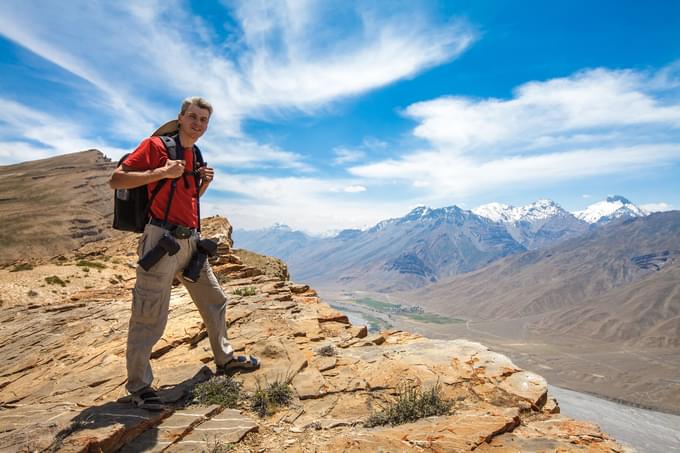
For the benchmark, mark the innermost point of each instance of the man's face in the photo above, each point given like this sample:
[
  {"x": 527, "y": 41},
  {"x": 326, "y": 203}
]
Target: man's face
[{"x": 194, "y": 121}]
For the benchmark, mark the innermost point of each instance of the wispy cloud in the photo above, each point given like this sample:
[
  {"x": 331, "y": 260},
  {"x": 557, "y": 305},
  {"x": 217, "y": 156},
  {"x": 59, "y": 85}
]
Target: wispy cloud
[
  {"x": 306, "y": 203},
  {"x": 656, "y": 207},
  {"x": 29, "y": 134},
  {"x": 580, "y": 107},
  {"x": 134, "y": 54},
  {"x": 345, "y": 155},
  {"x": 595, "y": 122}
]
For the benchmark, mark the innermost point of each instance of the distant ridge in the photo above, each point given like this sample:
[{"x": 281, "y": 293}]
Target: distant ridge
[
  {"x": 54, "y": 205},
  {"x": 585, "y": 280}
]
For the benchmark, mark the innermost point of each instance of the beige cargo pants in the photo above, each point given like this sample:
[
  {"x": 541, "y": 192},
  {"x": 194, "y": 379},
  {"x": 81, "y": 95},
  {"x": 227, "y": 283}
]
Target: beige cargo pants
[{"x": 151, "y": 301}]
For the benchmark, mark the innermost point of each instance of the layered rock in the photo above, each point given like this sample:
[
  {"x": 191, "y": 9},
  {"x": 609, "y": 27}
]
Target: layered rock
[{"x": 62, "y": 371}]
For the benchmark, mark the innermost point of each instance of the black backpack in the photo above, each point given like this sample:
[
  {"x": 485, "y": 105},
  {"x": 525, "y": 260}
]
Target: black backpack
[{"x": 131, "y": 206}]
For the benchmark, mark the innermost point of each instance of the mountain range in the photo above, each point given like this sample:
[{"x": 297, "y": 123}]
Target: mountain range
[{"x": 428, "y": 244}]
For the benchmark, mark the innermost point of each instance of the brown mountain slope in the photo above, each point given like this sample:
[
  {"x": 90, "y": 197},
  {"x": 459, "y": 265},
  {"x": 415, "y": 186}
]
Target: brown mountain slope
[
  {"x": 646, "y": 313},
  {"x": 598, "y": 266},
  {"x": 54, "y": 205}
]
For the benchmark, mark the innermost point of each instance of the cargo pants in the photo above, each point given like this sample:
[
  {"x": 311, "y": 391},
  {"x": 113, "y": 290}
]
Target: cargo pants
[{"x": 151, "y": 301}]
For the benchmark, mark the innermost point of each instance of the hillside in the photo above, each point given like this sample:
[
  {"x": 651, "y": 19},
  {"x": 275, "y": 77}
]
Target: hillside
[
  {"x": 54, "y": 205},
  {"x": 570, "y": 274},
  {"x": 63, "y": 370}
]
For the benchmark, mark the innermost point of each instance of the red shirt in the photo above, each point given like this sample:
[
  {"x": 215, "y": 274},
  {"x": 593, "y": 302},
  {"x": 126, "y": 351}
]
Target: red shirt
[{"x": 150, "y": 154}]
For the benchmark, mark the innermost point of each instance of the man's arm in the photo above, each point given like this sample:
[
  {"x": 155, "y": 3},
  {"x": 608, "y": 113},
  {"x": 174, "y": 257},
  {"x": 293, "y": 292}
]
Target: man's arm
[{"x": 125, "y": 177}]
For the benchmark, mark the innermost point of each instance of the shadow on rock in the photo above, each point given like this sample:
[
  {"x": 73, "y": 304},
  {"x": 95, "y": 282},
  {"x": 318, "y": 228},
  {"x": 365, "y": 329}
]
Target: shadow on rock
[{"x": 118, "y": 424}]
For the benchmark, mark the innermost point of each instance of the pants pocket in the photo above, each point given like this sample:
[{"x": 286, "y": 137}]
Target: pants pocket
[{"x": 146, "y": 305}]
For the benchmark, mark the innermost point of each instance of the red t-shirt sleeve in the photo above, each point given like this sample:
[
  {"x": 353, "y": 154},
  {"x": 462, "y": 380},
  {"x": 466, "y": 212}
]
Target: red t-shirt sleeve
[{"x": 148, "y": 155}]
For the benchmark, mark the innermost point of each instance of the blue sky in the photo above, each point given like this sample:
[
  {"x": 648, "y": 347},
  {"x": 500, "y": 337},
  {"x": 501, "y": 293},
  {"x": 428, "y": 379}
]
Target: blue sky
[{"x": 332, "y": 115}]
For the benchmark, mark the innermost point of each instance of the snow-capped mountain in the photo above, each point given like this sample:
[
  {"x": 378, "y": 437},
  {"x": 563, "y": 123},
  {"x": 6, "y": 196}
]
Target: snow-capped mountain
[
  {"x": 614, "y": 207},
  {"x": 539, "y": 210},
  {"x": 536, "y": 225}
]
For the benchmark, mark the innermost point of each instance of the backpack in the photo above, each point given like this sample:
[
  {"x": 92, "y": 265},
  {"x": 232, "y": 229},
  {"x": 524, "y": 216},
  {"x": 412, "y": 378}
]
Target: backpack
[{"x": 131, "y": 206}]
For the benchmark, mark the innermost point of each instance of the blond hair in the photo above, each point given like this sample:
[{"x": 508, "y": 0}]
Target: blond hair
[{"x": 197, "y": 101}]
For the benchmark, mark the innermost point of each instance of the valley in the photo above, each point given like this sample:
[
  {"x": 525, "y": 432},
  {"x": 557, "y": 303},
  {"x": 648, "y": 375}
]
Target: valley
[{"x": 636, "y": 376}]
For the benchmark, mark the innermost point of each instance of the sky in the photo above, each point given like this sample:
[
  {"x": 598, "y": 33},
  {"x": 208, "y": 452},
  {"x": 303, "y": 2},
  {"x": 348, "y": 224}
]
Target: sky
[{"x": 339, "y": 114}]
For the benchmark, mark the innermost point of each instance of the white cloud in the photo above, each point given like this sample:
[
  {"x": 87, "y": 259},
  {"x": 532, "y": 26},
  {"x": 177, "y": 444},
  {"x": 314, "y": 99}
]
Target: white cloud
[
  {"x": 137, "y": 56},
  {"x": 310, "y": 204},
  {"x": 597, "y": 122},
  {"x": 565, "y": 108},
  {"x": 656, "y": 207},
  {"x": 354, "y": 189},
  {"x": 346, "y": 155},
  {"x": 246, "y": 153},
  {"x": 28, "y": 134},
  {"x": 443, "y": 175}
]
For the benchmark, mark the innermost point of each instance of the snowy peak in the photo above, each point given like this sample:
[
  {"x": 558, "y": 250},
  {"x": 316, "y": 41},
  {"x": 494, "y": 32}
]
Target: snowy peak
[
  {"x": 539, "y": 210},
  {"x": 614, "y": 207},
  {"x": 498, "y": 212},
  {"x": 422, "y": 214}
]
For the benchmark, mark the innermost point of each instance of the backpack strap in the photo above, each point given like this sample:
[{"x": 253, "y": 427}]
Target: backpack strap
[
  {"x": 170, "y": 144},
  {"x": 198, "y": 163}
]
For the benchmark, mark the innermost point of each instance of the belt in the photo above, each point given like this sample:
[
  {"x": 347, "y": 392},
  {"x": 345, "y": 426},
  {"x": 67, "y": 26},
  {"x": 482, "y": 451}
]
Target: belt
[{"x": 177, "y": 231}]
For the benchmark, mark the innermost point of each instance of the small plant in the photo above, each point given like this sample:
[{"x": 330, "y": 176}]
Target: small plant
[
  {"x": 247, "y": 291},
  {"x": 77, "y": 424},
  {"x": 22, "y": 267},
  {"x": 94, "y": 264},
  {"x": 410, "y": 405},
  {"x": 32, "y": 293},
  {"x": 217, "y": 446},
  {"x": 327, "y": 351},
  {"x": 265, "y": 401},
  {"x": 222, "y": 390},
  {"x": 54, "y": 280}
]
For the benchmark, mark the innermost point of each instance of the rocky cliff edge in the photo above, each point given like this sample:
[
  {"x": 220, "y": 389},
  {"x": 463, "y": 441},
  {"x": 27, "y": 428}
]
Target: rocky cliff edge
[{"x": 62, "y": 370}]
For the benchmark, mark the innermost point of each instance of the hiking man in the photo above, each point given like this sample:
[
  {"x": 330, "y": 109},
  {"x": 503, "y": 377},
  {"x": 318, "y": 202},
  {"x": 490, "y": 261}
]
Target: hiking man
[{"x": 174, "y": 218}]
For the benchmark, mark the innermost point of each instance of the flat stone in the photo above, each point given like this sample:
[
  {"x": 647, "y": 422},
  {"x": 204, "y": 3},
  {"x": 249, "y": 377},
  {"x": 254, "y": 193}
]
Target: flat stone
[
  {"x": 325, "y": 363},
  {"x": 170, "y": 430},
  {"x": 309, "y": 383},
  {"x": 452, "y": 433},
  {"x": 227, "y": 427}
]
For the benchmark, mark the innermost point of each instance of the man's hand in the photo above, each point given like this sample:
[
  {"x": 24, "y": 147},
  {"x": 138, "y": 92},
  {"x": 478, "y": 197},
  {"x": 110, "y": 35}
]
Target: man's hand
[
  {"x": 174, "y": 168},
  {"x": 207, "y": 174}
]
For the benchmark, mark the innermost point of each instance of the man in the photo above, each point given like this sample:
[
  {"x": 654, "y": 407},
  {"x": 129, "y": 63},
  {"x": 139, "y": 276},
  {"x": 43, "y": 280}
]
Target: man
[{"x": 174, "y": 211}]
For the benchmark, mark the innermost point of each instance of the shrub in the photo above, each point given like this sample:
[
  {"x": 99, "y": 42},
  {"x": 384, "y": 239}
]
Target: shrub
[
  {"x": 222, "y": 390},
  {"x": 217, "y": 446},
  {"x": 247, "y": 291},
  {"x": 327, "y": 351},
  {"x": 22, "y": 267},
  {"x": 411, "y": 404},
  {"x": 265, "y": 401},
  {"x": 95, "y": 264},
  {"x": 54, "y": 280}
]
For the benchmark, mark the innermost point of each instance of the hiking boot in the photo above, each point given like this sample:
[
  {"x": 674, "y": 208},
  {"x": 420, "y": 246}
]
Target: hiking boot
[
  {"x": 239, "y": 363},
  {"x": 147, "y": 399}
]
